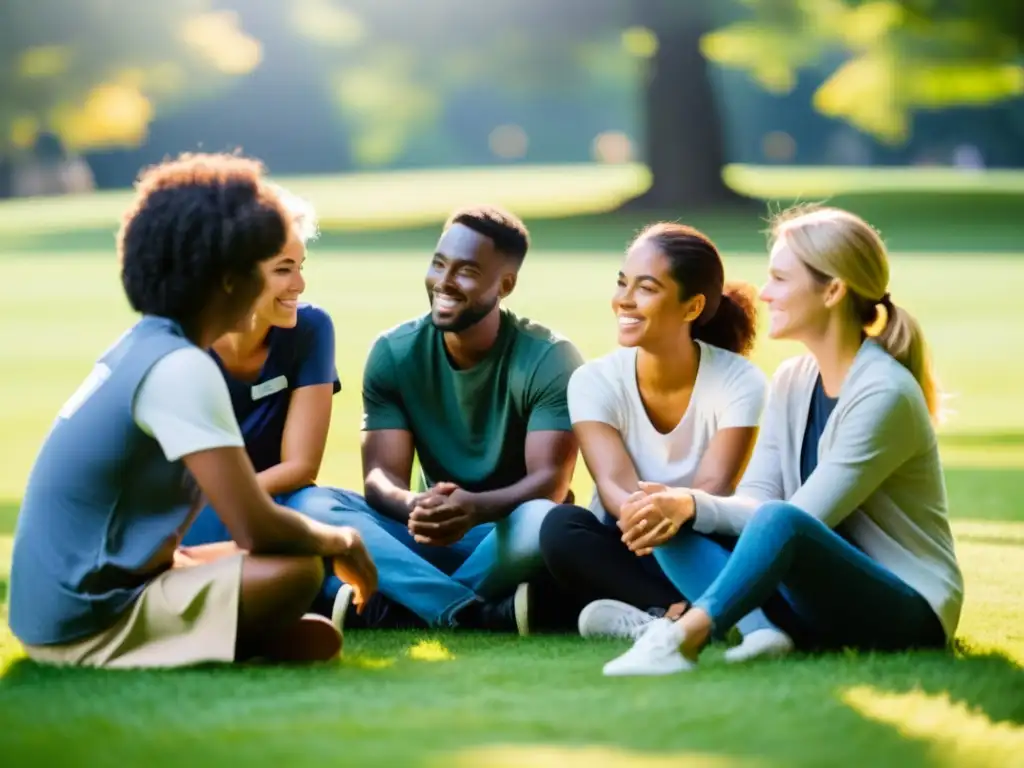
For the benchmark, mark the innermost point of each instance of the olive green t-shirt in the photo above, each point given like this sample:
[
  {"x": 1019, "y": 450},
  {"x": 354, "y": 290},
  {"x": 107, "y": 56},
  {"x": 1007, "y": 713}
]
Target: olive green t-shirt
[{"x": 469, "y": 426}]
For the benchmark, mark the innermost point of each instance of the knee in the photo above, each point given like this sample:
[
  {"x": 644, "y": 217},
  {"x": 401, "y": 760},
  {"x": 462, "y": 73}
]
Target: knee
[
  {"x": 778, "y": 515},
  {"x": 556, "y": 530},
  {"x": 304, "y": 576},
  {"x": 328, "y": 505},
  {"x": 531, "y": 515},
  {"x": 317, "y": 503}
]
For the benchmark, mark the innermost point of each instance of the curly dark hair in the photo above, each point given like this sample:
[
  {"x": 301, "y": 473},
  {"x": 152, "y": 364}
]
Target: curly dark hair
[
  {"x": 508, "y": 232},
  {"x": 197, "y": 220},
  {"x": 729, "y": 318}
]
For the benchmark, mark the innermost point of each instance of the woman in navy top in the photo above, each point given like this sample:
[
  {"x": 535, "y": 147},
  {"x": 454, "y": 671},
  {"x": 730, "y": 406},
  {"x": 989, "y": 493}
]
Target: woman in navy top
[{"x": 281, "y": 376}]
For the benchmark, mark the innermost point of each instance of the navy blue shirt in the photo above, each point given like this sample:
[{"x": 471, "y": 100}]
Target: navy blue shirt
[
  {"x": 821, "y": 408},
  {"x": 297, "y": 357}
]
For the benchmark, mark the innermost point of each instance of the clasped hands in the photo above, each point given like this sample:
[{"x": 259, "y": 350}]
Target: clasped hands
[
  {"x": 653, "y": 515},
  {"x": 442, "y": 514}
]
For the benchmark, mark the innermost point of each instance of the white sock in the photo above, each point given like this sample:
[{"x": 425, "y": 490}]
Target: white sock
[{"x": 762, "y": 643}]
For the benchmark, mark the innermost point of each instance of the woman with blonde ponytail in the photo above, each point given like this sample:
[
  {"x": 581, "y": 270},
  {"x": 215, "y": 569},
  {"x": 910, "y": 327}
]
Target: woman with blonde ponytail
[{"x": 840, "y": 527}]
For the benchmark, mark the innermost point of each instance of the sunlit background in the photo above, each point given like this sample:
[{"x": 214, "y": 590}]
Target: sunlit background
[{"x": 589, "y": 118}]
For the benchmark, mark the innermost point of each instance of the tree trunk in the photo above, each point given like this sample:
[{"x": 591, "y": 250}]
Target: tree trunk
[{"x": 685, "y": 138}]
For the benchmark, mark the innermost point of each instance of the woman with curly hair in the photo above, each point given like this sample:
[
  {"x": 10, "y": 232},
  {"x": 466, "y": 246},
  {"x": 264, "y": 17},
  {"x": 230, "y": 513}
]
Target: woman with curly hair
[
  {"x": 97, "y": 575},
  {"x": 677, "y": 404}
]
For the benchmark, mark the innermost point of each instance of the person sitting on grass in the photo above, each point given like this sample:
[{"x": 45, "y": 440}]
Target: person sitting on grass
[
  {"x": 281, "y": 375},
  {"x": 97, "y": 574},
  {"x": 479, "y": 395},
  {"x": 841, "y": 517},
  {"x": 678, "y": 403}
]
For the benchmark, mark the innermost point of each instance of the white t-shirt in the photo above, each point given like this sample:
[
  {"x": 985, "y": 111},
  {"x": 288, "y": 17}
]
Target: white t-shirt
[
  {"x": 729, "y": 391},
  {"x": 184, "y": 404}
]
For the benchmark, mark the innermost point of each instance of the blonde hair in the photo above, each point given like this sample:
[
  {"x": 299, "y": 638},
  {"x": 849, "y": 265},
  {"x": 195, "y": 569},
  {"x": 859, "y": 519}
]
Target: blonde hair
[{"x": 833, "y": 243}]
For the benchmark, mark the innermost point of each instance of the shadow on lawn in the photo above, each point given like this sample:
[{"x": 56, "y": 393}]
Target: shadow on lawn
[{"x": 503, "y": 701}]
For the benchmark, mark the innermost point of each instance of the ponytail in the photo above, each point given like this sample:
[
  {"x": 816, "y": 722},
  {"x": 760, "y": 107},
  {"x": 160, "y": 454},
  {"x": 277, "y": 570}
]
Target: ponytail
[
  {"x": 733, "y": 326},
  {"x": 902, "y": 337}
]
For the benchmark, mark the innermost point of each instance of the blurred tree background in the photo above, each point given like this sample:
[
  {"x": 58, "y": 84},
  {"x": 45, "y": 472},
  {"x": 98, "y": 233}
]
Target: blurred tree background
[{"x": 686, "y": 86}]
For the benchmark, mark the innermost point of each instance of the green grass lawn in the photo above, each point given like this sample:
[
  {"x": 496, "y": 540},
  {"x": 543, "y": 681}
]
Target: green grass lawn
[{"x": 442, "y": 699}]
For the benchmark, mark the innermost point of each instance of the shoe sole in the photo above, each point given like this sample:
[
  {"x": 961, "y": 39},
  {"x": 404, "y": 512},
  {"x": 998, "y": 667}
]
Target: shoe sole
[
  {"x": 522, "y": 609},
  {"x": 342, "y": 601}
]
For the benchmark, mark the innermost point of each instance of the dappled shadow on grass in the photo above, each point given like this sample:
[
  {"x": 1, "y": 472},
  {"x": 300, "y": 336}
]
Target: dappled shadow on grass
[{"x": 475, "y": 691}]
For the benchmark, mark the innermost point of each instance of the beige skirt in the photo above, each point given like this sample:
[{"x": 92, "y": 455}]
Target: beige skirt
[{"x": 184, "y": 616}]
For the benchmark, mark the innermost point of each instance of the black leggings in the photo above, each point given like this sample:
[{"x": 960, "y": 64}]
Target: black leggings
[{"x": 588, "y": 560}]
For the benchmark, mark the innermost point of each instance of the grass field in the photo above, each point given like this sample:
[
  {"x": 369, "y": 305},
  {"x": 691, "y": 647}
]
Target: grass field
[{"x": 442, "y": 699}]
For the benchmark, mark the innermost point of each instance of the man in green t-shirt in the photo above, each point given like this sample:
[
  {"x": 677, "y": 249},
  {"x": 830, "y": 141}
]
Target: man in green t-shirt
[{"x": 478, "y": 395}]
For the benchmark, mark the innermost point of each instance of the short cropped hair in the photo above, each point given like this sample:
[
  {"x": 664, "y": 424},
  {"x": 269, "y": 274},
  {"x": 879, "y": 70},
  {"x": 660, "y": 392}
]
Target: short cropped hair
[
  {"x": 196, "y": 220},
  {"x": 510, "y": 236}
]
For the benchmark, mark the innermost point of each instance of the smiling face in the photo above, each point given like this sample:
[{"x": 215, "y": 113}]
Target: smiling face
[
  {"x": 466, "y": 279},
  {"x": 646, "y": 300},
  {"x": 283, "y": 284},
  {"x": 798, "y": 301}
]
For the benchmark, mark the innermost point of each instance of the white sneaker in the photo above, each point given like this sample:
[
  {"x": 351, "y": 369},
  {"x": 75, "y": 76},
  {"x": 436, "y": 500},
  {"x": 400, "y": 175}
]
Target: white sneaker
[
  {"x": 612, "y": 618},
  {"x": 760, "y": 644},
  {"x": 342, "y": 601},
  {"x": 656, "y": 652}
]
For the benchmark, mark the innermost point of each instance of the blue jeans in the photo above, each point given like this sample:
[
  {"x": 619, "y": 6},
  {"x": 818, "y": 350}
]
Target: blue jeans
[
  {"x": 433, "y": 582},
  {"x": 839, "y": 596}
]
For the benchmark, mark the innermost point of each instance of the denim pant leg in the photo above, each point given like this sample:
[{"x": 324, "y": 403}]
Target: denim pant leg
[
  {"x": 404, "y": 576},
  {"x": 692, "y": 561},
  {"x": 845, "y": 596},
  {"x": 509, "y": 554},
  {"x": 207, "y": 528}
]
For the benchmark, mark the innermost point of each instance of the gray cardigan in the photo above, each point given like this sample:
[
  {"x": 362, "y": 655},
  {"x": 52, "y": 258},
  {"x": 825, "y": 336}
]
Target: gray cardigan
[{"x": 878, "y": 470}]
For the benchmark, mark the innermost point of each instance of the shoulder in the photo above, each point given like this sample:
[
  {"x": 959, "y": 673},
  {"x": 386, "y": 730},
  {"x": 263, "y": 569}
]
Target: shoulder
[
  {"x": 609, "y": 370},
  {"x": 186, "y": 375},
  {"x": 534, "y": 343},
  {"x": 313, "y": 318},
  {"x": 182, "y": 365},
  {"x": 400, "y": 337},
  {"x": 395, "y": 345},
  {"x": 731, "y": 371},
  {"x": 881, "y": 381},
  {"x": 795, "y": 370},
  {"x": 313, "y": 329}
]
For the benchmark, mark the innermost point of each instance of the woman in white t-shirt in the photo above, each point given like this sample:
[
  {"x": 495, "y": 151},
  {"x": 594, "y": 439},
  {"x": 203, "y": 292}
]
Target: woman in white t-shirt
[
  {"x": 841, "y": 520},
  {"x": 677, "y": 404}
]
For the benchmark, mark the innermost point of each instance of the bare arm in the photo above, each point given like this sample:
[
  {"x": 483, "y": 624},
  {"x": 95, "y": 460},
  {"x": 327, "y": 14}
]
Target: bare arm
[
  {"x": 255, "y": 522},
  {"x": 760, "y": 481},
  {"x": 609, "y": 464},
  {"x": 387, "y": 471},
  {"x": 725, "y": 460},
  {"x": 550, "y": 461},
  {"x": 303, "y": 443}
]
